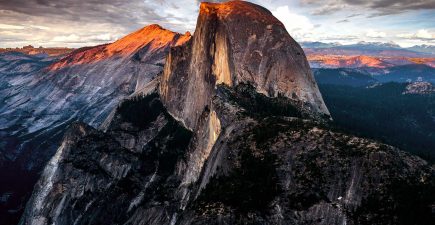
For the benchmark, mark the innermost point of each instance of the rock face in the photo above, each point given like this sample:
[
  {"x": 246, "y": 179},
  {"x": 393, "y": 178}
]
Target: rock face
[
  {"x": 231, "y": 133},
  {"x": 419, "y": 87},
  {"x": 236, "y": 42},
  {"x": 41, "y": 98}
]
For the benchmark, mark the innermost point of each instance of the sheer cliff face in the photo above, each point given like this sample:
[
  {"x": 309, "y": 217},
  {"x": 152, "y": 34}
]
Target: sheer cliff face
[{"x": 236, "y": 42}]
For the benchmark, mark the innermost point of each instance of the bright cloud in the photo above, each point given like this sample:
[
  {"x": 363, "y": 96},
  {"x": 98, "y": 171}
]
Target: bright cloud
[
  {"x": 72, "y": 38},
  {"x": 11, "y": 27},
  {"x": 420, "y": 34},
  {"x": 375, "y": 34},
  {"x": 295, "y": 24},
  {"x": 424, "y": 34}
]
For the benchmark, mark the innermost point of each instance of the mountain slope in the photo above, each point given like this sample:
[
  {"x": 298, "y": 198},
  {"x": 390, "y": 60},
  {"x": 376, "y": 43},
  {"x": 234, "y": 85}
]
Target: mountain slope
[
  {"x": 85, "y": 85},
  {"x": 148, "y": 40},
  {"x": 88, "y": 83},
  {"x": 215, "y": 141}
]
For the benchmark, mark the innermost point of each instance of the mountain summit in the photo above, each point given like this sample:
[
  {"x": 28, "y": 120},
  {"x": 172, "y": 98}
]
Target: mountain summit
[
  {"x": 237, "y": 43},
  {"x": 149, "y": 39}
]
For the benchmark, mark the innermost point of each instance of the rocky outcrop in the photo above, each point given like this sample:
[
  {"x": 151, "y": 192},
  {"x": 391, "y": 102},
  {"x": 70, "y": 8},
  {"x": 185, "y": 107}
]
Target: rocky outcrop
[
  {"x": 419, "y": 87},
  {"x": 236, "y": 42}
]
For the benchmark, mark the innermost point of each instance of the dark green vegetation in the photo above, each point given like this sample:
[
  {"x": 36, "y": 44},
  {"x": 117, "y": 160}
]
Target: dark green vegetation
[
  {"x": 247, "y": 188},
  {"x": 259, "y": 105},
  {"x": 308, "y": 169},
  {"x": 409, "y": 208},
  {"x": 385, "y": 114},
  {"x": 343, "y": 76},
  {"x": 366, "y": 76},
  {"x": 140, "y": 111},
  {"x": 408, "y": 72}
]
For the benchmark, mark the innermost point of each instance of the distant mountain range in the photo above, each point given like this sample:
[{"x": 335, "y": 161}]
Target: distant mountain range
[
  {"x": 318, "y": 60},
  {"x": 423, "y": 48},
  {"x": 30, "y": 50},
  {"x": 369, "y": 48}
]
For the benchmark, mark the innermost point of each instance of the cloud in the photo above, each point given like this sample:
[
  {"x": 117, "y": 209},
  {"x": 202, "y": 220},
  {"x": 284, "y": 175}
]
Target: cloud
[
  {"x": 297, "y": 25},
  {"x": 382, "y": 7},
  {"x": 76, "y": 23},
  {"x": 60, "y": 22},
  {"x": 72, "y": 38},
  {"x": 422, "y": 34},
  {"x": 394, "y": 6},
  {"x": 376, "y": 34},
  {"x": 328, "y": 9},
  {"x": 40, "y": 27},
  {"x": 75, "y": 39},
  {"x": 102, "y": 37},
  {"x": 354, "y": 15},
  {"x": 11, "y": 27}
]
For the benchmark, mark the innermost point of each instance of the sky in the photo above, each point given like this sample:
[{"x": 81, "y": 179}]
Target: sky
[{"x": 77, "y": 23}]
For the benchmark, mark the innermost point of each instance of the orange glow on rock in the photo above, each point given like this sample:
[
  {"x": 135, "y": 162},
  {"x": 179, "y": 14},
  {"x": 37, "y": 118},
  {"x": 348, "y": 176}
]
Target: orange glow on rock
[{"x": 153, "y": 36}]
